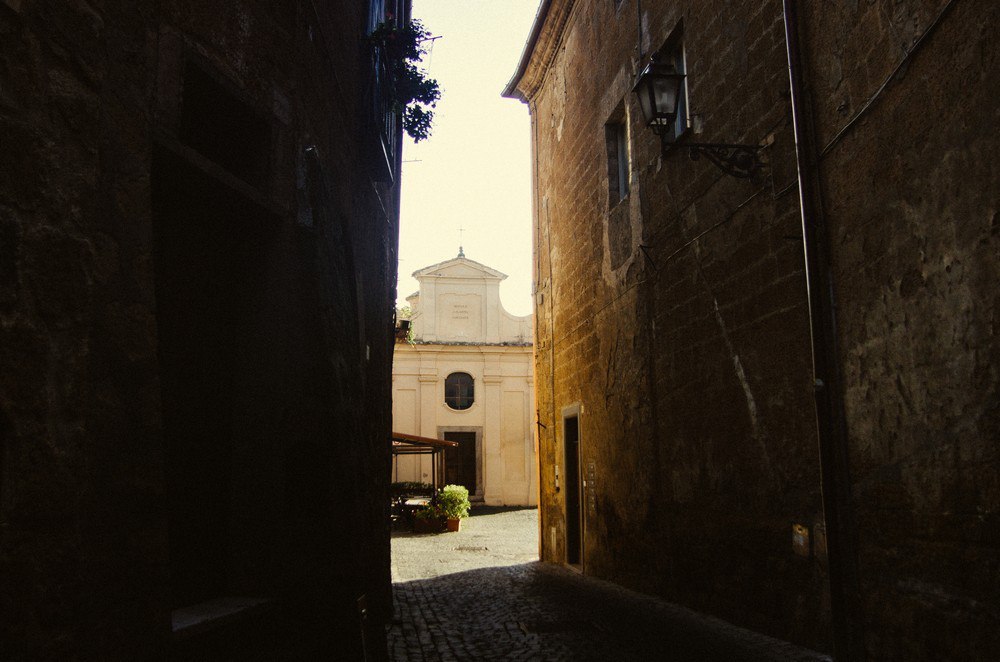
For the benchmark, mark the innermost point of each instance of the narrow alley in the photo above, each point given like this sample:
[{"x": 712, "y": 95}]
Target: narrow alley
[
  {"x": 696, "y": 301},
  {"x": 481, "y": 594}
]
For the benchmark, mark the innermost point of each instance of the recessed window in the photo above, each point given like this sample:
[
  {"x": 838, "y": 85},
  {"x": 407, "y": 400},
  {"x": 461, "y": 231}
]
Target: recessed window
[
  {"x": 673, "y": 53},
  {"x": 616, "y": 142},
  {"x": 459, "y": 390}
]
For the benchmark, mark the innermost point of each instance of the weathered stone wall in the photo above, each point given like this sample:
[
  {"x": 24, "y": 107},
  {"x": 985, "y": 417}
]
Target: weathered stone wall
[
  {"x": 910, "y": 191},
  {"x": 155, "y": 293},
  {"x": 83, "y": 549},
  {"x": 676, "y": 319},
  {"x": 690, "y": 354}
]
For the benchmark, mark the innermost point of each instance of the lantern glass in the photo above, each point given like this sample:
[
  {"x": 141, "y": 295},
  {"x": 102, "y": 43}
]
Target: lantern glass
[{"x": 658, "y": 90}]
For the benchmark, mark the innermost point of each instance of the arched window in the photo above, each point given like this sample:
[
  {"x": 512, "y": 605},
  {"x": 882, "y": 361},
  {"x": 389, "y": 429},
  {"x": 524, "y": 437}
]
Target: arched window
[{"x": 459, "y": 390}]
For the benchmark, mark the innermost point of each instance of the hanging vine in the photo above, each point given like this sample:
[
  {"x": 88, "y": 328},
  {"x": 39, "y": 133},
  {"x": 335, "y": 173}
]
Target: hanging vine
[{"x": 414, "y": 94}]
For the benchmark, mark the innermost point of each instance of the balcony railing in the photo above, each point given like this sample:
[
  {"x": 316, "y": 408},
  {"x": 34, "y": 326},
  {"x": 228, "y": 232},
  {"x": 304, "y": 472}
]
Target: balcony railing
[{"x": 384, "y": 117}]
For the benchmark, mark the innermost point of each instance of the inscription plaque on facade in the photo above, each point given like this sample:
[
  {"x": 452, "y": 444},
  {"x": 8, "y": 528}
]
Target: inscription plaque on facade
[{"x": 459, "y": 316}]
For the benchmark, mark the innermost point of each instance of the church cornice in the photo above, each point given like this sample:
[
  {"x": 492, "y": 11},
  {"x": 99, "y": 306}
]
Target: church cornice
[
  {"x": 487, "y": 272},
  {"x": 457, "y": 343}
]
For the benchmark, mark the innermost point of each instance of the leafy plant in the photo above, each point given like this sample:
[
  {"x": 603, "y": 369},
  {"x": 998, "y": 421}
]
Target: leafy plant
[
  {"x": 406, "y": 313},
  {"x": 411, "y": 487},
  {"x": 453, "y": 501},
  {"x": 430, "y": 511},
  {"x": 414, "y": 94}
]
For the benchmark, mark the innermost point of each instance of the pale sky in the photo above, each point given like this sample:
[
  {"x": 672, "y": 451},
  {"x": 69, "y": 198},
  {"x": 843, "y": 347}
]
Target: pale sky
[{"x": 474, "y": 172}]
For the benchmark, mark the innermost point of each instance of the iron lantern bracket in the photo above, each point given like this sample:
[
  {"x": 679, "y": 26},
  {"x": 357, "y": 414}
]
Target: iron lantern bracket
[{"x": 740, "y": 161}]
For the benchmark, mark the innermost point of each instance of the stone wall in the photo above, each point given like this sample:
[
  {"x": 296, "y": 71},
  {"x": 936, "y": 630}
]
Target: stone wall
[
  {"x": 674, "y": 322},
  {"x": 910, "y": 192},
  {"x": 196, "y": 281}
]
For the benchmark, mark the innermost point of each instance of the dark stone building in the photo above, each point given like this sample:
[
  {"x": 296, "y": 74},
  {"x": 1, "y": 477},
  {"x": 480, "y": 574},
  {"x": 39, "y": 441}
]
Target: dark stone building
[
  {"x": 198, "y": 227},
  {"x": 688, "y": 447}
]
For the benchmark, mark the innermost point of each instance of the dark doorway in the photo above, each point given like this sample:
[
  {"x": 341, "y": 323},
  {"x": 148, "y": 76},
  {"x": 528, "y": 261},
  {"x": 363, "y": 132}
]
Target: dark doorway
[
  {"x": 571, "y": 436},
  {"x": 209, "y": 261},
  {"x": 460, "y": 463}
]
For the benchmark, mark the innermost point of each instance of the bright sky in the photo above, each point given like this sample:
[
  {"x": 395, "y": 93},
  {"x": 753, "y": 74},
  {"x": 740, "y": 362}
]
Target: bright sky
[{"x": 474, "y": 172}]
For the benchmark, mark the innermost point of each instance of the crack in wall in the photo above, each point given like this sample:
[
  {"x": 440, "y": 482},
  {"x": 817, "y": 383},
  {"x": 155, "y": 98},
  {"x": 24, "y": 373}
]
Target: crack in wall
[
  {"x": 741, "y": 374},
  {"x": 738, "y": 369}
]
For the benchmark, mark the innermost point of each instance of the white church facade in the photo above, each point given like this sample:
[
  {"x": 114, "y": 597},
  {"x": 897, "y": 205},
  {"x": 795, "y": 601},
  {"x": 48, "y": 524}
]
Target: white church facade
[{"x": 465, "y": 375}]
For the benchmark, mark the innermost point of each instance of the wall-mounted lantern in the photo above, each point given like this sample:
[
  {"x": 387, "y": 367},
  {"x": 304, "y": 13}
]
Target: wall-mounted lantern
[{"x": 659, "y": 89}]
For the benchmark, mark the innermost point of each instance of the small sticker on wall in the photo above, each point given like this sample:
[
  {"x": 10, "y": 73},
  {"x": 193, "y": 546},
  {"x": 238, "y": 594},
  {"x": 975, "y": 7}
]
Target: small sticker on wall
[{"x": 800, "y": 540}]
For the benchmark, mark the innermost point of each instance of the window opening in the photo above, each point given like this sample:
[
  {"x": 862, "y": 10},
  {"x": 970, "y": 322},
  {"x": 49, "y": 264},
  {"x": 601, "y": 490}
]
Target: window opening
[
  {"x": 459, "y": 390},
  {"x": 616, "y": 141},
  {"x": 673, "y": 54}
]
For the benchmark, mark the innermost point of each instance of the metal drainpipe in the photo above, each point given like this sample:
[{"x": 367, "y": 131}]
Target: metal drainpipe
[
  {"x": 638, "y": 15},
  {"x": 830, "y": 418}
]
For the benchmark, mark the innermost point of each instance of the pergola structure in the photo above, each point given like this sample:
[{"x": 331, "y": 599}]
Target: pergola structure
[{"x": 411, "y": 444}]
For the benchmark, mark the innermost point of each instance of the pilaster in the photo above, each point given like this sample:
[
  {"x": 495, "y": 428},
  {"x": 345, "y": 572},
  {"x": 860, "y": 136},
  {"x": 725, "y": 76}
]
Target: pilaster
[{"x": 492, "y": 465}]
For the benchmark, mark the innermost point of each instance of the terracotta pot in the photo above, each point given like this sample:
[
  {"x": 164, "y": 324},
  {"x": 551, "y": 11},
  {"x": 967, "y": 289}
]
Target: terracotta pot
[{"x": 454, "y": 524}]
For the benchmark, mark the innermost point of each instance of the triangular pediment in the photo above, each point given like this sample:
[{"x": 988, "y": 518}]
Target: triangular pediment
[{"x": 459, "y": 268}]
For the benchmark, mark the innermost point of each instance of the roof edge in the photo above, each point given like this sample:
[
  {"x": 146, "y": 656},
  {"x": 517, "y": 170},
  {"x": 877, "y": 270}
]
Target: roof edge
[
  {"x": 511, "y": 91},
  {"x": 540, "y": 49},
  {"x": 417, "y": 440},
  {"x": 490, "y": 272}
]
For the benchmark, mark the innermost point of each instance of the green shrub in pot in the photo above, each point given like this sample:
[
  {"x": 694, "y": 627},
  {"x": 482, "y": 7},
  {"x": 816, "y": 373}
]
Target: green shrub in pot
[{"x": 453, "y": 501}]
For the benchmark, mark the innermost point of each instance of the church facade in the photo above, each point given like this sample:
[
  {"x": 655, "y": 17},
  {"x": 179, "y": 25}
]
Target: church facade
[{"x": 465, "y": 374}]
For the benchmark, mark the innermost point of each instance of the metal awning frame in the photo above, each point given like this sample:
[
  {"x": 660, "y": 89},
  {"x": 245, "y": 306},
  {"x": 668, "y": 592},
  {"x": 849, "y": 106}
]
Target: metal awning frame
[{"x": 411, "y": 444}]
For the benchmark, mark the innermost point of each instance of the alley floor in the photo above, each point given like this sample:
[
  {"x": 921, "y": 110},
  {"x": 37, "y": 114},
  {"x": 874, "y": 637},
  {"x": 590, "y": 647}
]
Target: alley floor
[{"x": 481, "y": 594}]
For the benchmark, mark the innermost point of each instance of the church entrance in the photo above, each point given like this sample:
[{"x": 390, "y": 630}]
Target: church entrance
[{"x": 460, "y": 463}]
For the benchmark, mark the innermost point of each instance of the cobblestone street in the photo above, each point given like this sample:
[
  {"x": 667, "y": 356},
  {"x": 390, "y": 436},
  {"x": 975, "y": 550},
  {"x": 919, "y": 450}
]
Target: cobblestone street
[{"x": 481, "y": 594}]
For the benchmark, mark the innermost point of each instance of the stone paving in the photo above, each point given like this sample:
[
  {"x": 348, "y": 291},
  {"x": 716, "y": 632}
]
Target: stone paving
[{"x": 481, "y": 594}]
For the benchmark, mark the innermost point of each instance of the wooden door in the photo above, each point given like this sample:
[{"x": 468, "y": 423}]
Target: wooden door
[
  {"x": 574, "y": 524},
  {"x": 460, "y": 463}
]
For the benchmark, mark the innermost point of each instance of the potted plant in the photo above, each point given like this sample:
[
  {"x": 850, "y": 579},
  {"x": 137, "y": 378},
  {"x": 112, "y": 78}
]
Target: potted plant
[
  {"x": 453, "y": 503},
  {"x": 429, "y": 519}
]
